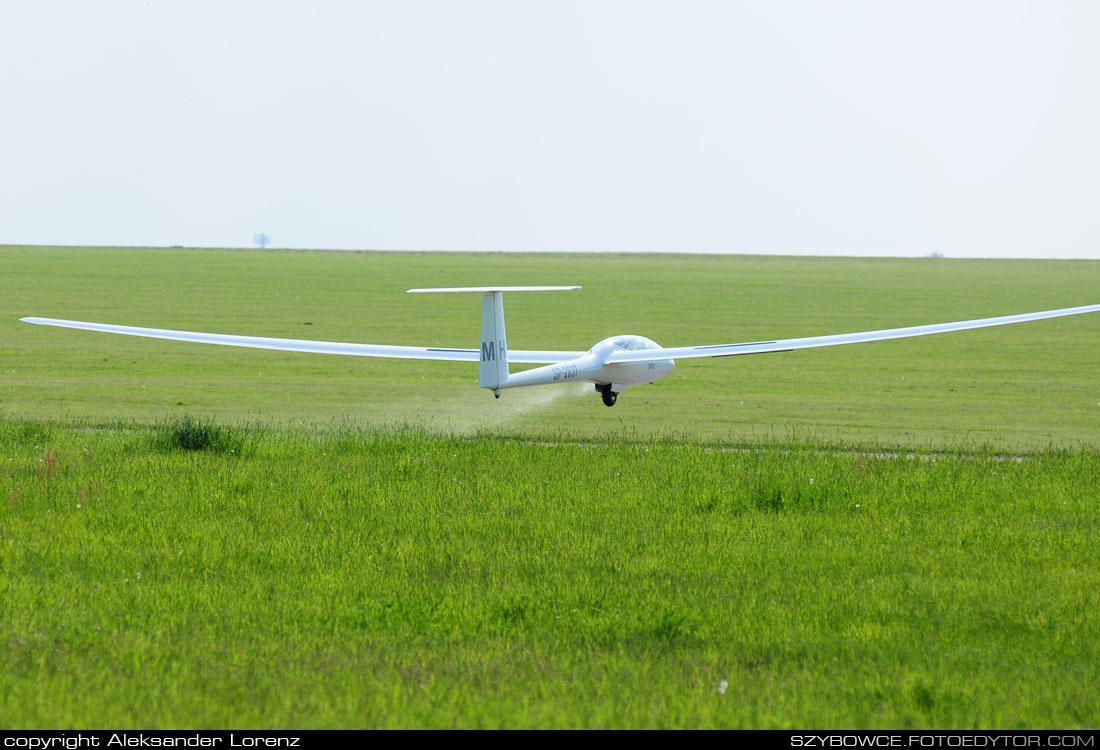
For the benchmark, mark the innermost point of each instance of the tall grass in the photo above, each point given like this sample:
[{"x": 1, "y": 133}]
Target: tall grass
[{"x": 341, "y": 576}]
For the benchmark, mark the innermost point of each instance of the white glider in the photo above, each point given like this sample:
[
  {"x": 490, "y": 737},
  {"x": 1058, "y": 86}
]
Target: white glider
[{"x": 612, "y": 364}]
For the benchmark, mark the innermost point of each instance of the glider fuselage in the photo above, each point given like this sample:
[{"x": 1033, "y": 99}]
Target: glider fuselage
[{"x": 594, "y": 367}]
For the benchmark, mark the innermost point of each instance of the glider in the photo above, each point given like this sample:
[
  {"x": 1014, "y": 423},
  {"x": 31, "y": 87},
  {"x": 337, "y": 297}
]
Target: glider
[{"x": 612, "y": 364}]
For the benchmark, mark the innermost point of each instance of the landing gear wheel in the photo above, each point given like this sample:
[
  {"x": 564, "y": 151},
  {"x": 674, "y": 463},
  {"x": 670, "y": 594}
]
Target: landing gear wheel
[{"x": 609, "y": 396}]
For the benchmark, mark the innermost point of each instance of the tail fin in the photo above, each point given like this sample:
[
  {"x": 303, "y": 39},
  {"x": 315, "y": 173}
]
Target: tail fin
[{"x": 493, "y": 370}]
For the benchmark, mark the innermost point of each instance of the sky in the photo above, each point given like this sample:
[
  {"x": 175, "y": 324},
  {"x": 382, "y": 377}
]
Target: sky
[{"x": 962, "y": 127}]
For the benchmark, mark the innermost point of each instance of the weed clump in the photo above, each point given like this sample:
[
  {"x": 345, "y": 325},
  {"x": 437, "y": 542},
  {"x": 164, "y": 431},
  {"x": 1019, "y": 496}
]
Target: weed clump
[
  {"x": 190, "y": 434},
  {"x": 24, "y": 433}
]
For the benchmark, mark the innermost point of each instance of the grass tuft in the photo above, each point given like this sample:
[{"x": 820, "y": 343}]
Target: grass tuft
[
  {"x": 671, "y": 626},
  {"x": 24, "y": 432},
  {"x": 190, "y": 434}
]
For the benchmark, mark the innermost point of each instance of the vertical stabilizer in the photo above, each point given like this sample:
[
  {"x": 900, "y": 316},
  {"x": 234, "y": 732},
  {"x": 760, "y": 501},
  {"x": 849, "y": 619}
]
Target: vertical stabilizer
[{"x": 493, "y": 371}]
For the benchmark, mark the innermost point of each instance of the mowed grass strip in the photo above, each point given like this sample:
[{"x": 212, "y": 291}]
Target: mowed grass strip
[
  {"x": 1020, "y": 387},
  {"x": 359, "y": 577}
]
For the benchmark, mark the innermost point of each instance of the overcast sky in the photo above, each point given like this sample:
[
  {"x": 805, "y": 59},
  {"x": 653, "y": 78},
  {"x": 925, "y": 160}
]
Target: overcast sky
[{"x": 856, "y": 128}]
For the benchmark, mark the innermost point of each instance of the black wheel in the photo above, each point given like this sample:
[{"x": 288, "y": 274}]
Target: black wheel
[{"x": 609, "y": 396}]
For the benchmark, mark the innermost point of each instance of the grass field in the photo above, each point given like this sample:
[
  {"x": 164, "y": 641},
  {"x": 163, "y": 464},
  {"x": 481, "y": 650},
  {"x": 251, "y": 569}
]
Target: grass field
[
  {"x": 1025, "y": 386},
  {"x": 889, "y": 535}
]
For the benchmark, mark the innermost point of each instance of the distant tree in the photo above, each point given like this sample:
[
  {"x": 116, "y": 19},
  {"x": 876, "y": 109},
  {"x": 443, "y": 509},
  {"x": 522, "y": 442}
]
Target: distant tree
[
  {"x": 935, "y": 255},
  {"x": 261, "y": 239}
]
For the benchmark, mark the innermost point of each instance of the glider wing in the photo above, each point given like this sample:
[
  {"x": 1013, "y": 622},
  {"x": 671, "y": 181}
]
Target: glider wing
[
  {"x": 786, "y": 345},
  {"x": 315, "y": 347}
]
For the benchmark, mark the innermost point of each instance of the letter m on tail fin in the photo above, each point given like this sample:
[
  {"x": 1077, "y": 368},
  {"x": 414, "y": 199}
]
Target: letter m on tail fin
[{"x": 493, "y": 369}]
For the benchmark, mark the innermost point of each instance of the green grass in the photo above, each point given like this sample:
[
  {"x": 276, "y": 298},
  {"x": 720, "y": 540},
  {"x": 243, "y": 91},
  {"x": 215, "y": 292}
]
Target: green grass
[
  {"x": 889, "y": 535},
  {"x": 1020, "y": 387},
  {"x": 362, "y": 578}
]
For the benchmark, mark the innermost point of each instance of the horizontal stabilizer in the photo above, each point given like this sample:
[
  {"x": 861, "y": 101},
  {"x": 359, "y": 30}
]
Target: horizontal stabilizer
[{"x": 495, "y": 289}]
